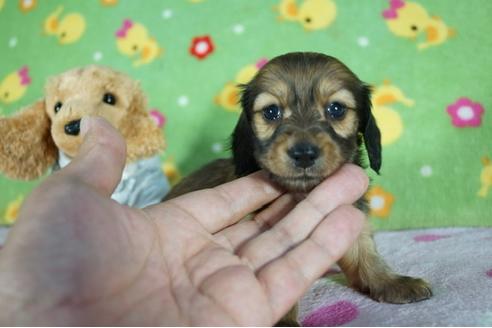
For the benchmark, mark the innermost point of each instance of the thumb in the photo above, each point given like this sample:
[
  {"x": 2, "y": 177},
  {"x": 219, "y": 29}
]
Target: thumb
[{"x": 101, "y": 157}]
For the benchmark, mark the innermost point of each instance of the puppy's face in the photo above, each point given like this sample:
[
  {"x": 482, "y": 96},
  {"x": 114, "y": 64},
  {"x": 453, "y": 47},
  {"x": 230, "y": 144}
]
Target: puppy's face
[
  {"x": 304, "y": 115},
  {"x": 83, "y": 92}
]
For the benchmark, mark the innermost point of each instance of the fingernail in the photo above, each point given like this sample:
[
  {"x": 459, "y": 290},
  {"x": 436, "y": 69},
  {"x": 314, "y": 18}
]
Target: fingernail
[{"x": 85, "y": 125}]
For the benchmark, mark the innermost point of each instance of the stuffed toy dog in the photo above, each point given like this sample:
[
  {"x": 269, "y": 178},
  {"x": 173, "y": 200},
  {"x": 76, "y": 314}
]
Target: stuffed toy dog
[{"x": 46, "y": 134}]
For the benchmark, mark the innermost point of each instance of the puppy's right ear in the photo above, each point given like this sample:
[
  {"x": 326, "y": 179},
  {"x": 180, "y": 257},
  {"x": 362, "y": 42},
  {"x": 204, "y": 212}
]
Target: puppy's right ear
[
  {"x": 243, "y": 137},
  {"x": 26, "y": 148},
  {"x": 243, "y": 148}
]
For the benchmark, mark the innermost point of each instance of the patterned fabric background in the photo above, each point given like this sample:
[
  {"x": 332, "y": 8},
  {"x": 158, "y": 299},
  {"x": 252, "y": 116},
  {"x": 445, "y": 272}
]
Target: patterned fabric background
[{"x": 428, "y": 61}]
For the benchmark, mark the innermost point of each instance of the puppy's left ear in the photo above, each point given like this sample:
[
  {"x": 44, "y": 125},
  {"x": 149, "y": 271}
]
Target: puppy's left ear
[
  {"x": 143, "y": 137},
  {"x": 370, "y": 130}
]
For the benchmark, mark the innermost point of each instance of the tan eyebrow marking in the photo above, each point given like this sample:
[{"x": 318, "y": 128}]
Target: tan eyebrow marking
[
  {"x": 329, "y": 87},
  {"x": 264, "y": 99},
  {"x": 262, "y": 128},
  {"x": 345, "y": 97}
]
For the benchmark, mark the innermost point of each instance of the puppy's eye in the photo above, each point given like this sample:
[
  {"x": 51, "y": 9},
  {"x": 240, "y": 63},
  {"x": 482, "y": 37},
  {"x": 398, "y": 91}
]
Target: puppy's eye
[
  {"x": 109, "y": 98},
  {"x": 336, "y": 110},
  {"x": 272, "y": 113},
  {"x": 57, "y": 107}
]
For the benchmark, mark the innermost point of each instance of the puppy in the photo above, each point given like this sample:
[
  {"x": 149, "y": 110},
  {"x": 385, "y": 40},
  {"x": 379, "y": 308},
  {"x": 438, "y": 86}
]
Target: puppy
[{"x": 305, "y": 115}]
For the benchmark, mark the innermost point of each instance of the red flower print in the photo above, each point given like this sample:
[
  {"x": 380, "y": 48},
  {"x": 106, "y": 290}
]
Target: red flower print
[
  {"x": 201, "y": 46},
  {"x": 464, "y": 112}
]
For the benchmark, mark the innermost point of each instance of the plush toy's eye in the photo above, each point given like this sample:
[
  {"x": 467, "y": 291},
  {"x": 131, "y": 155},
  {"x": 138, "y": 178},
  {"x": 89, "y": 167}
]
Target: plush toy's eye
[
  {"x": 109, "y": 98},
  {"x": 272, "y": 113},
  {"x": 58, "y": 106},
  {"x": 336, "y": 110}
]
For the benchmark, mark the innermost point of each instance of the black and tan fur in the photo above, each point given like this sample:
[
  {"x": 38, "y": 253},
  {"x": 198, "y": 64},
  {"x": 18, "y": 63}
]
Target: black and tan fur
[{"x": 302, "y": 85}]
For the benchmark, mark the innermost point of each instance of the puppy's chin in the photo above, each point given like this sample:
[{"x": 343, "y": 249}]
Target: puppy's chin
[
  {"x": 296, "y": 180},
  {"x": 301, "y": 184}
]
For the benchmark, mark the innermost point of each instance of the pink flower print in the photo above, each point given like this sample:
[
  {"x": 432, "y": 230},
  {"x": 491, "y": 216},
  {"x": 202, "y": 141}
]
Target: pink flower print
[
  {"x": 332, "y": 315},
  {"x": 464, "y": 112},
  {"x": 158, "y": 118},
  {"x": 429, "y": 237}
]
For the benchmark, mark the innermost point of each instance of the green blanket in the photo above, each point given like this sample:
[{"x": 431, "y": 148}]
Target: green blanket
[{"x": 429, "y": 62}]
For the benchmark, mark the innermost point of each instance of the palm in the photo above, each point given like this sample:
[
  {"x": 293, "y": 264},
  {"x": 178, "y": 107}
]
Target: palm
[
  {"x": 193, "y": 278},
  {"x": 77, "y": 257}
]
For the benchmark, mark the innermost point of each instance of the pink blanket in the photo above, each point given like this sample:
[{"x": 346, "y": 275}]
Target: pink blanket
[{"x": 456, "y": 261}]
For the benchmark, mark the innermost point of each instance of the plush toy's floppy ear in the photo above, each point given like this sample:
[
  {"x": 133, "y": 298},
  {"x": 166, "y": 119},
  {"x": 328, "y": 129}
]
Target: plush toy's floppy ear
[
  {"x": 370, "y": 131},
  {"x": 26, "y": 147},
  {"x": 143, "y": 137}
]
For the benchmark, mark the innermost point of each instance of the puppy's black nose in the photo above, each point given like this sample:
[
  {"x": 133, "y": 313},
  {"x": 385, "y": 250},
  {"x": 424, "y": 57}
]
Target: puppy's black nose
[
  {"x": 304, "y": 154},
  {"x": 72, "y": 128}
]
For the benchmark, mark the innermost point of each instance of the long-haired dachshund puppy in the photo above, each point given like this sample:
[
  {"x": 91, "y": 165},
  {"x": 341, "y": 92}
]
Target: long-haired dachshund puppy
[{"x": 305, "y": 115}]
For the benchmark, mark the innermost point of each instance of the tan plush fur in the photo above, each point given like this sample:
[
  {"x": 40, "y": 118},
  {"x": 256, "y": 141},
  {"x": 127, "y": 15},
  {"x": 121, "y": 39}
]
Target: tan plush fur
[
  {"x": 31, "y": 139},
  {"x": 27, "y": 149}
]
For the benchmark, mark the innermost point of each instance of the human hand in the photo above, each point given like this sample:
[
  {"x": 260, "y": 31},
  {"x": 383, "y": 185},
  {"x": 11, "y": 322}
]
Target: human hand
[{"x": 76, "y": 257}]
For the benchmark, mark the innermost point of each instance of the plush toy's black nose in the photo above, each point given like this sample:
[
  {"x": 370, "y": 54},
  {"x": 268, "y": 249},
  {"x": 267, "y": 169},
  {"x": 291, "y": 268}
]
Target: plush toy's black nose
[
  {"x": 72, "y": 128},
  {"x": 304, "y": 154}
]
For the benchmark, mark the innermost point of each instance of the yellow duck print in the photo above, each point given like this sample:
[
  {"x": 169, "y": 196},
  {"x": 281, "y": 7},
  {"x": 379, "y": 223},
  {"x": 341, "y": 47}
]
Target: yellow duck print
[
  {"x": 134, "y": 41},
  {"x": 485, "y": 177},
  {"x": 228, "y": 97},
  {"x": 109, "y": 2},
  {"x": 2, "y": 2},
  {"x": 68, "y": 30},
  {"x": 388, "y": 119},
  {"x": 409, "y": 20},
  {"x": 311, "y": 14},
  {"x": 171, "y": 171},
  {"x": 14, "y": 85},
  {"x": 12, "y": 211}
]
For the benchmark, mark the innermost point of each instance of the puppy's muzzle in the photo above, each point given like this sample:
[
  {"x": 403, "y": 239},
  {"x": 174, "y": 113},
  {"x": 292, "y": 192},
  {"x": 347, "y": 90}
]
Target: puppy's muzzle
[
  {"x": 72, "y": 128},
  {"x": 304, "y": 154}
]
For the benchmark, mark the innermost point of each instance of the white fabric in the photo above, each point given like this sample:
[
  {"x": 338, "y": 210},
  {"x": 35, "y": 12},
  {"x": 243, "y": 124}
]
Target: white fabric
[{"x": 142, "y": 183}]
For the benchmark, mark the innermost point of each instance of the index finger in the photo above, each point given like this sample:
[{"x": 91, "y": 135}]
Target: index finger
[
  {"x": 344, "y": 187},
  {"x": 219, "y": 207}
]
